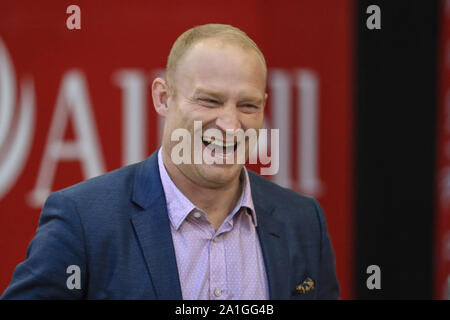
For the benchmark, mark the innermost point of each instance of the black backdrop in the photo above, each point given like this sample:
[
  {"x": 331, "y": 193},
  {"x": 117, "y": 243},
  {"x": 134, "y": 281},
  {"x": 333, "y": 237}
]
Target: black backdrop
[{"x": 396, "y": 107}]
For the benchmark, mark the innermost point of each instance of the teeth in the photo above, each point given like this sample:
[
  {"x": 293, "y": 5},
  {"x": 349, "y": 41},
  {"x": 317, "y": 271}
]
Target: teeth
[{"x": 218, "y": 143}]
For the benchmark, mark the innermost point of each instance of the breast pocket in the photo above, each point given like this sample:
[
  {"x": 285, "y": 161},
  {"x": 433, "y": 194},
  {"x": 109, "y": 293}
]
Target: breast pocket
[{"x": 305, "y": 289}]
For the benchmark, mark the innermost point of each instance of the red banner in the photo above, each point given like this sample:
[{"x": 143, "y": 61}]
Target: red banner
[
  {"x": 442, "y": 220},
  {"x": 75, "y": 103}
]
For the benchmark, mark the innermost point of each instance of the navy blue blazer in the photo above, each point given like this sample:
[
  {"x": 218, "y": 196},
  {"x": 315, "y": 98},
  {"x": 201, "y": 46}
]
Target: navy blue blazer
[{"x": 115, "y": 227}]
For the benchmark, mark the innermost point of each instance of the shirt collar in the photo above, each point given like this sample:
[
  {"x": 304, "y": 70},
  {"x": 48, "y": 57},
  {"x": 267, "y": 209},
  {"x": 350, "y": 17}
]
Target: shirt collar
[{"x": 179, "y": 206}]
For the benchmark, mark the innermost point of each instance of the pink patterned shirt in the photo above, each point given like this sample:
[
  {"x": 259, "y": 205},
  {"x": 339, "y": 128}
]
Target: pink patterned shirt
[{"x": 222, "y": 264}]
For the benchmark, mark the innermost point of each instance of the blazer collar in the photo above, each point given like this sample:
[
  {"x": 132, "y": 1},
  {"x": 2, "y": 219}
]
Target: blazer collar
[
  {"x": 147, "y": 187},
  {"x": 272, "y": 237},
  {"x": 152, "y": 227}
]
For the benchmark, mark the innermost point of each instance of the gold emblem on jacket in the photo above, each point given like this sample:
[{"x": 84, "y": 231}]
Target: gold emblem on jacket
[{"x": 306, "y": 286}]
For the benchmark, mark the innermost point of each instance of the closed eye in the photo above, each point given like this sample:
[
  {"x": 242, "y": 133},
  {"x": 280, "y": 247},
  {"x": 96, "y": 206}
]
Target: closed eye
[
  {"x": 249, "y": 108},
  {"x": 209, "y": 101}
]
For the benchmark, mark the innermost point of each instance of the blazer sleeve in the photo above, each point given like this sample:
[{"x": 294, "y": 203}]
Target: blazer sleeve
[
  {"x": 327, "y": 285},
  {"x": 57, "y": 245}
]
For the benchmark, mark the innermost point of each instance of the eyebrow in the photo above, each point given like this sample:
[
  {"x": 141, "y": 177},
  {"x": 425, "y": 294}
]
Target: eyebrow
[
  {"x": 254, "y": 100},
  {"x": 219, "y": 96},
  {"x": 211, "y": 93}
]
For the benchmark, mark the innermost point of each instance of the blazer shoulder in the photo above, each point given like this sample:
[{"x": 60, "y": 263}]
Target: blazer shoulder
[
  {"x": 112, "y": 182},
  {"x": 295, "y": 210},
  {"x": 278, "y": 195}
]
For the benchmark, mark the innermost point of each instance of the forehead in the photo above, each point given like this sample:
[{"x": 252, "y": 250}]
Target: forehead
[{"x": 221, "y": 66}]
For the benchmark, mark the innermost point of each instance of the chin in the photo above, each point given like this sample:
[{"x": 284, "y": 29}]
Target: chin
[{"x": 220, "y": 174}]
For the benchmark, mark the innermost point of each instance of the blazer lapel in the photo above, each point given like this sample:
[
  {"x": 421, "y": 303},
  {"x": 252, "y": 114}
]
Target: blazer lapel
[
  {"x": 152, "y": 227},
  {"x": 273, "y": 242},
  {"x": 275, "y": 252}
]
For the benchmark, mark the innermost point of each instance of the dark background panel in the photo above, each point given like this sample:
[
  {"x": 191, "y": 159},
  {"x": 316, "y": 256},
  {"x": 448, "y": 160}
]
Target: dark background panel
[{"x": 395, "y": 148}]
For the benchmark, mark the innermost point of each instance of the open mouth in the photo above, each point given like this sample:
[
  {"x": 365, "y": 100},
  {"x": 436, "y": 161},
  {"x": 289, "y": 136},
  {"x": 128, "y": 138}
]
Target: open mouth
[{"x": 226, "y": 147}]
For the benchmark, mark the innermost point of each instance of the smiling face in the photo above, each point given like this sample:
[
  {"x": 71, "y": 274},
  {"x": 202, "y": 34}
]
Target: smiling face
[{"x": 222, "y": 85}]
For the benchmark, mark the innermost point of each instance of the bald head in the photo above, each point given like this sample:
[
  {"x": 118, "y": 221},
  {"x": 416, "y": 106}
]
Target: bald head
[{"x": 222, "y": 34}]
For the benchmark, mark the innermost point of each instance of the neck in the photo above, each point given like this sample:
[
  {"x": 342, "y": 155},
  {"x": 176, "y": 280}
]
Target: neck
[{"x": 217, "y": 203}]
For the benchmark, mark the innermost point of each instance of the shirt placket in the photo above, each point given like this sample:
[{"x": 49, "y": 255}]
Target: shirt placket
[{"x": 218, "y": 286}]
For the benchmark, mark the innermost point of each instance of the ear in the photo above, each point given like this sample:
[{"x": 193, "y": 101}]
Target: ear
[{"x": 160, "y": 94}]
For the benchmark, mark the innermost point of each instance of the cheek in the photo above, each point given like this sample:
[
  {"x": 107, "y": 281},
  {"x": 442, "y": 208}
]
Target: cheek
[
  {"x": 207, "y": 116},
  {"x": 179, "y": 117},
  {"x": 253, "y": 121},
  {"x": 189, "y": 112}
]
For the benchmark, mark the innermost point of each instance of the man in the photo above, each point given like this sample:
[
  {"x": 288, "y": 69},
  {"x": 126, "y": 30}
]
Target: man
[{"x": 161, "y": 229}]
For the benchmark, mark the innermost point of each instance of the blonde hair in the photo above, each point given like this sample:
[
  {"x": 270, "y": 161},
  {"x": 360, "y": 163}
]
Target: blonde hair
[{"x": 223, "y": 32}]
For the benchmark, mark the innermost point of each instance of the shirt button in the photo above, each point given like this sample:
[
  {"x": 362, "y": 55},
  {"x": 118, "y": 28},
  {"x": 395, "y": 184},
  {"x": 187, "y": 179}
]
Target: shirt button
[
  {"x": 197, "y": 214},
  {"x": 217, "y": 292},
  {"x": 215, "y": 240}
]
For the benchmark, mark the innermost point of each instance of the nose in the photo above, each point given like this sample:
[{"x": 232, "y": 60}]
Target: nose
[{"x": 228, "y": 119}]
